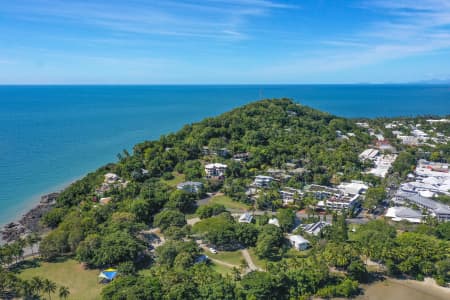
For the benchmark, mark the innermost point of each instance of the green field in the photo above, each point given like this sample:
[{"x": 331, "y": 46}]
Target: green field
[
  {"x": 229, "y": 203},
  {"x": 83, "y": 284},
  {"x": 231, "y": 257},
  {"x": 178, "y": 178},
  {"x": 221, "y": 269}
]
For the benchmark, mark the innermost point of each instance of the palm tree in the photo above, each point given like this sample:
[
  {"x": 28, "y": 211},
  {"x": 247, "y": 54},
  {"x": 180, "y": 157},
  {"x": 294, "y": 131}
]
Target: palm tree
[
  {"x": 38, "y": 284},
  {"x": 27, "y": 289},
  {"x": 49, "y": 287},
  {"x": 64, "y": 292}
]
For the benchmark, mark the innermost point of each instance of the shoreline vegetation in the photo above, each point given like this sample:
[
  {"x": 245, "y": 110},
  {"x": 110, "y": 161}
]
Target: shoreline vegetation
[{"x": 132, "y": 214}]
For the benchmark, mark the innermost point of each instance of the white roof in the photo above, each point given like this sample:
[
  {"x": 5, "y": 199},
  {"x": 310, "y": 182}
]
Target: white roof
[
  {"x": 215, "y": 165},
  {"x": 274, "y": 221},
  {"x": 426, "y": 194},
  {"x": 353, "y": 187},
  {"x": 298, "y": 239},
  {"x": 431, "y": 180},
  {"x": 245, "y": 217}
]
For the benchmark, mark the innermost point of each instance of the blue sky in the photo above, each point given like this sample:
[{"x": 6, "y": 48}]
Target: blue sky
[{"x": 223, "y": 41}]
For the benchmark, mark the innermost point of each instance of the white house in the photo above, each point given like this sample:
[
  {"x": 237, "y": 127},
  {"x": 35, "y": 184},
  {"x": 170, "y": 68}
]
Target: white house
[
  {"x": 190, "y": 186},
  {"x": 245, "y": 218},
  {"x": 298, "y": 242},
  {"x": 111, "y": 177},
  {"x": 274, "y": 221},
  {"x": 262, "y": 181},
  {"x": 215, "y": 170}
]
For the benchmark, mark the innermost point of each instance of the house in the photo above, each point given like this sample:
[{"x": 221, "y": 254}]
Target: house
[
  {"x": 276, "y": 173},
  {"x": 245, "y": 218},
  {"x": 274, "y": 221},
  {"x": 190, "y": 186},
  {"x": 105, "y": 200},
  {"x": 111, "y": 178},
  {"x": 262, "y": 181},
  {"x": 298, "y": 242},
  {"x": 401, "y": 213},
  {"x": 362, "y": 124},
  {"x": 315, "y": 228},
  {"x": 289, "y": 195},
  {"x": 244, "y": 156},
  {"x": 215, "y": 170},
  {"x": 223, "y": 152}
]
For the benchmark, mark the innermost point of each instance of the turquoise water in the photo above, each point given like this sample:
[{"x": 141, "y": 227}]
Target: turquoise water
[{"x": 51, "y": 135}]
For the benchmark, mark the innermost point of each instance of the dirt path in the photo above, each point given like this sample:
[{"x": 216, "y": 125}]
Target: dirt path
[
  {"x": 223, "y": 263},
  {"x": 250, "y": 263},
  {"x": 193, "y": 221}
]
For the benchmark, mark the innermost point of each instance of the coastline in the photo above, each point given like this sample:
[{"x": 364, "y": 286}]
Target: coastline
[
  {"x": 404, "y": 289},
  {"x": 27, "y": 220}
]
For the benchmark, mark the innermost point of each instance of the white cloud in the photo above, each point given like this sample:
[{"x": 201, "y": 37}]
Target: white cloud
[{"x": 208, "y": 19}]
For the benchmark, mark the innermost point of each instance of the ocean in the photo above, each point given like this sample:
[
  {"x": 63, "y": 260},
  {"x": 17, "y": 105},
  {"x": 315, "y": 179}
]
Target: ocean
[{"x": 52, "y": 135}]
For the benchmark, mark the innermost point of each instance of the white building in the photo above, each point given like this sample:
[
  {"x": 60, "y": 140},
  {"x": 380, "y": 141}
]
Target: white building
[
  {"x": 437, "y": 209},
  {"x": 353, "y": 188},
  {"x": 288, "y": 195},
  {"x": 382, "y": 165},
  {"x": 245, "y": 218},
  {"x": 190, "y": 186},
  {"x": 401, "y": 213},
  {"x": 274, "y": 221},
  {"x": 262, "y": 181},
  {"x": 369, "y": 154},
  {"x": 339, "y": 202},
  {"x": 298, "y": 242},
  {"x": 215, "y": 170}
]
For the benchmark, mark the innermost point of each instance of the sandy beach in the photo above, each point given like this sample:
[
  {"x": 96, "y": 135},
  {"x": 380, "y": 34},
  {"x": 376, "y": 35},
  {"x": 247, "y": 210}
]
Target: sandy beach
[{"x": 405, "y": 290}]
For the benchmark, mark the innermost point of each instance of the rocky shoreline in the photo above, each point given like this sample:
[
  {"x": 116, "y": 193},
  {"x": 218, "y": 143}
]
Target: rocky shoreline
[{"x": 30, "y": 222}]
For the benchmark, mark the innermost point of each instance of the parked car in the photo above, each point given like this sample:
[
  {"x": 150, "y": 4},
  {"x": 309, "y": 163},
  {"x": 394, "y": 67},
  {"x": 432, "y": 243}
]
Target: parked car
[{"x": 212, "y": 250}]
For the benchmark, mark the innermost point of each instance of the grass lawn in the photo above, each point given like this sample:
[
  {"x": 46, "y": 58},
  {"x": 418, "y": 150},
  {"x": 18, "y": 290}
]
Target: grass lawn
[
  {"x": 221, "y": 269},
  {"x": 231, "y": 257},
  {"x": 229, "y": 203},
  {"x": 83, "y": 284},
  {"x": 178, "y": 178}
]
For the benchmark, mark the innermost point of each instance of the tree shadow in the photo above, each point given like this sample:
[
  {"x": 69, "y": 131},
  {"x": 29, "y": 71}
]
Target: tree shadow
[{"x": 26, "y": 264}]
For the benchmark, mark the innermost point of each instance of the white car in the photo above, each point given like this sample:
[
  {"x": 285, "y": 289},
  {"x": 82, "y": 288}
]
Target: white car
[{"x": 212, "y": 250}]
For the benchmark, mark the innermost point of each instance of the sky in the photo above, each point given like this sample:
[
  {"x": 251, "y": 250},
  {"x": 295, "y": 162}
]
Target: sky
[{"x": 224, "y": 41}]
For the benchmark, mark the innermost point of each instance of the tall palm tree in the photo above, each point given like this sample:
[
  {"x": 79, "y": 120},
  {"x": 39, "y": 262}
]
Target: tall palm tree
[
  {"x": 38, "y": 284},
  {"x": 27, "y": 289},
  {"x": 49, "y": 287},
  {"x": 64, "y": 292}
]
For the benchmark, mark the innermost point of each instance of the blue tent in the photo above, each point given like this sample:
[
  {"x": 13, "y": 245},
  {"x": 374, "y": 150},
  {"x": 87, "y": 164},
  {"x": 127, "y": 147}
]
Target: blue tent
[{"x": 108, "y": 274}]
